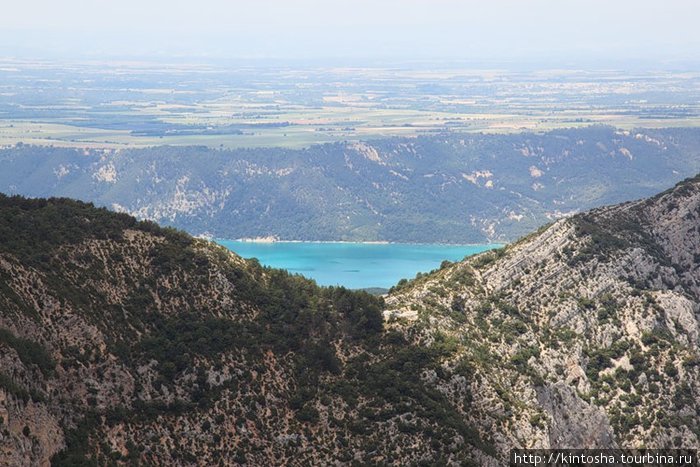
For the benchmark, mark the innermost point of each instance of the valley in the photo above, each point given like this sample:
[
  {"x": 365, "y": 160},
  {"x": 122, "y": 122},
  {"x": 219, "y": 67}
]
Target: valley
[
  {"x": 123, "y": 341},
  {"x": 349, "y": 233}
]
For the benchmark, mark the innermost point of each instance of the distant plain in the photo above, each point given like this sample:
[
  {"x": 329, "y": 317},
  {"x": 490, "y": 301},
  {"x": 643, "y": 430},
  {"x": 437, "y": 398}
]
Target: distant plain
[{"x": 119, "y": 105}]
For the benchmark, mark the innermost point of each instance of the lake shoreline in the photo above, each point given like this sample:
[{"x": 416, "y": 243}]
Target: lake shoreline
[{"x": 266, "y": 240}]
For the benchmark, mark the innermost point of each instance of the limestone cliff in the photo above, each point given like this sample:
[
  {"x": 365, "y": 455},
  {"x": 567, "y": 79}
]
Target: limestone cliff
[{"x": 584, "y": 334}]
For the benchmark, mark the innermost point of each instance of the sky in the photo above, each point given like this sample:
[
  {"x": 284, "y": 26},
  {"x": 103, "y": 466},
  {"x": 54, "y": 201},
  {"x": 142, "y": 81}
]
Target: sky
[{"x": 556, "y": 30}]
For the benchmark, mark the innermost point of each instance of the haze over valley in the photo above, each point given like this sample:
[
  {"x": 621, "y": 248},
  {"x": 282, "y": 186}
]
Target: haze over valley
[{"x": 348, "y": 232}]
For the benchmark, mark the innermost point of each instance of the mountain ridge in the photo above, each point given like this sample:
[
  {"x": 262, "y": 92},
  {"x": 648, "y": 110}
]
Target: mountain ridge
[
  {"x": 447, "y": 188},
  {"x": 154, "y": 347},
  {"x": 160, "y": 348},
  {"x": 595, "y": 308}
]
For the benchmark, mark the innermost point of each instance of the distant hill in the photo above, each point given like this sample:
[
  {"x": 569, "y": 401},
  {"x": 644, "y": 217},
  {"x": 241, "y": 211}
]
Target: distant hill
[
  {"x": 122, "y": 342},
  {"x": 441, "y": 188}
]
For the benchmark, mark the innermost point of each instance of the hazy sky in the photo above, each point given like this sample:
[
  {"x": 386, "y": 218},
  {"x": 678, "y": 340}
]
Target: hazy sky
[{"x": 421, "y": 29}]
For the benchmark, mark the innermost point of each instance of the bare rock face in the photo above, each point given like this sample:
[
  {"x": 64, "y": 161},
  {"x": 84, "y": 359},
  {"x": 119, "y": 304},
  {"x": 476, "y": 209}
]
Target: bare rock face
[
  {"x": 584, "y": 334},
  {"x": 575, "y": 423}
]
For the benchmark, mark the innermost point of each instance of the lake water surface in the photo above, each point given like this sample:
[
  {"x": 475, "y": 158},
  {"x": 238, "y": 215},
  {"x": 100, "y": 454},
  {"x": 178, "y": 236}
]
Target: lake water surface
[{"x": 353, "y": 265}]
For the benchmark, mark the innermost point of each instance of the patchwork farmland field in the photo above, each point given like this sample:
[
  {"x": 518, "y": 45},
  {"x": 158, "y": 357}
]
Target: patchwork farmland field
[{"x": 135, "y": 105}]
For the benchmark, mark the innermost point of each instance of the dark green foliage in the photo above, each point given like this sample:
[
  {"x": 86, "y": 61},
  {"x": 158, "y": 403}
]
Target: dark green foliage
[
  {"x": 602, "y": 241},
  {"x": 31, "y": 229},
  {"x": 608, "y": 310},
  {"x": 658, "y": 337},
  {"x": 363, "y": 311},
  {"x": 296, "y": 316},
  {"x": 598, "y": 360},
  {"x": 9, "y": 385},
  {"x": 670, "y": 370},
  {"x": 78, "y": 452},
  {"x": 521, "y": 357},
  {"x": 397, "y": 380},
  {"x": 29, "y": 352},
  {"x": 176, "y": 341},
  {"x": 484, "y": 259},
  {"x": 463, "y": 276},
  {"x": 307, "y": 414},
  {"x": 401, "y": 284}
]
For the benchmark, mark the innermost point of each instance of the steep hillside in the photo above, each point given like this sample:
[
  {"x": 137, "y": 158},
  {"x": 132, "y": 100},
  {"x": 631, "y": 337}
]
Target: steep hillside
[
  {"x": 121, "y": 341},
  {"x": 124, "y": 342},
  {"x": 440, "y": 188},
  {"x": 584, "y": 334}
]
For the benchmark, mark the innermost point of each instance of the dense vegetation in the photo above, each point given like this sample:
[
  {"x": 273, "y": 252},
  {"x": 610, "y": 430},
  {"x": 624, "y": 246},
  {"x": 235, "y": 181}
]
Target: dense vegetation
[{"x": 204, "y": 350}]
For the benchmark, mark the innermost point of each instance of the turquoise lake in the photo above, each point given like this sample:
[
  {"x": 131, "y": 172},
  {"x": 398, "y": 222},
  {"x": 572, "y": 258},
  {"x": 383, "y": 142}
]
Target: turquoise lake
[{"x": 353, "y": 265}]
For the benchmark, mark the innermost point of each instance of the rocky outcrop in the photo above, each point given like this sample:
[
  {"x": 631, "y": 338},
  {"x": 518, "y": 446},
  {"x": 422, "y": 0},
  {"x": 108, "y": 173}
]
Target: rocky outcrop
[
  {"x": 575, "y": 424},
  {"x": 583, "y": 334}
]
